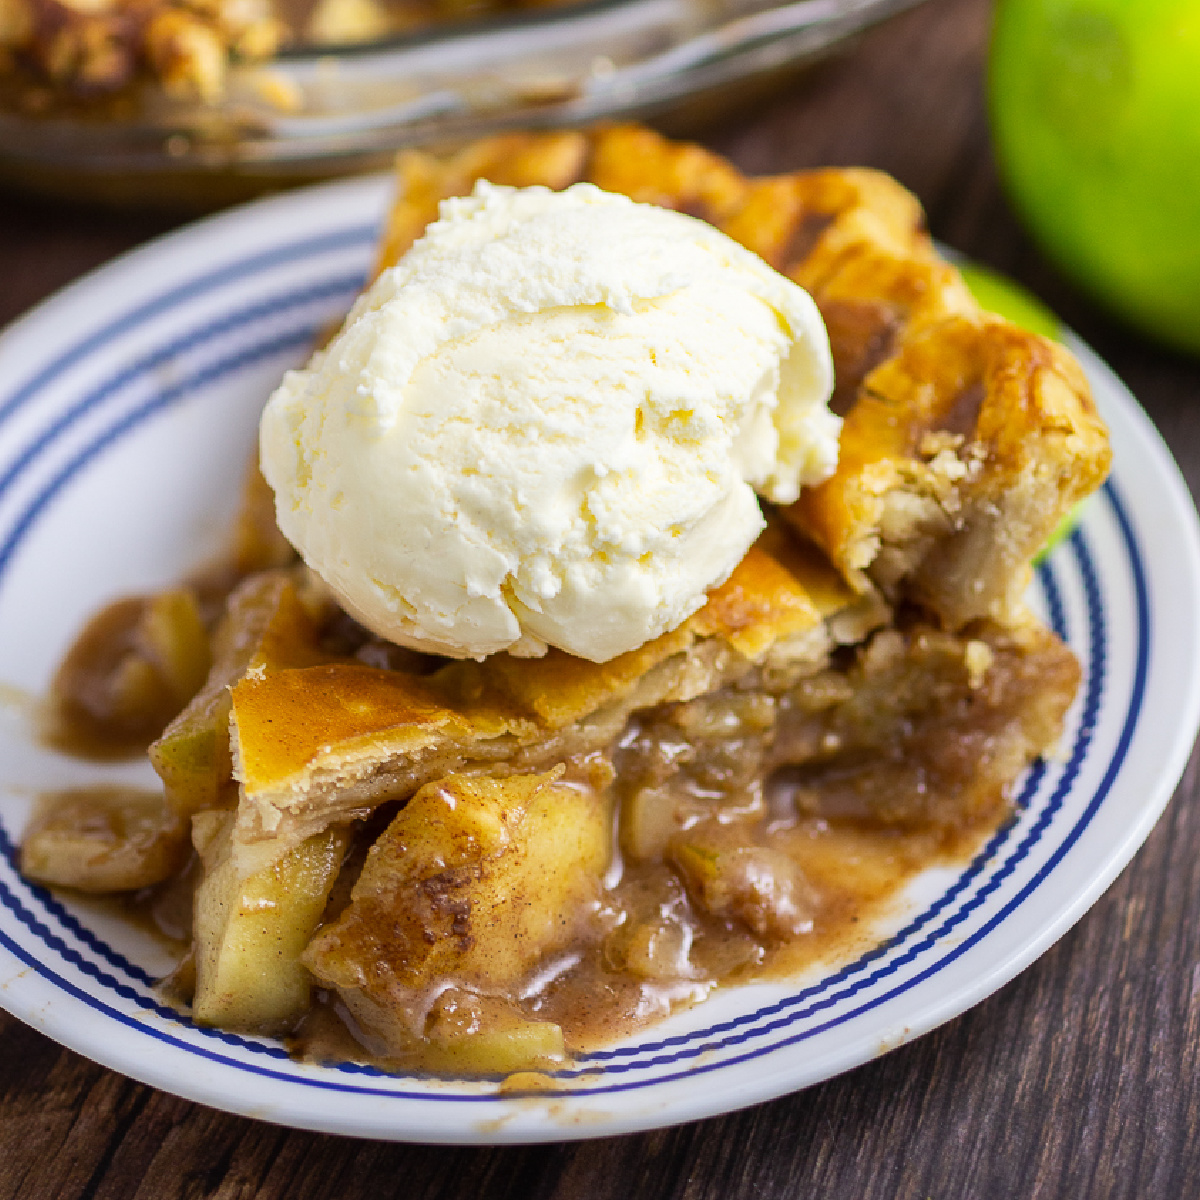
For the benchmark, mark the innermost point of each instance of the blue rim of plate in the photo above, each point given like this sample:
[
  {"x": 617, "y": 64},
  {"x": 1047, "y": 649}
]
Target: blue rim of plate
[{"x": 990, "y": 867}]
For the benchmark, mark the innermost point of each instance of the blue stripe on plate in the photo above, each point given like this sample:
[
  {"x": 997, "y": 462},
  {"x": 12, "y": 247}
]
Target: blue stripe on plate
[
  {"x": 291, "y": 252},
  {"x": 345, "y": 286}
]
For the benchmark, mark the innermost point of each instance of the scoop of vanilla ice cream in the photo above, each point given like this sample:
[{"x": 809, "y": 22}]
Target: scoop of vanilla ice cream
[{"x": 546, "y": 426}]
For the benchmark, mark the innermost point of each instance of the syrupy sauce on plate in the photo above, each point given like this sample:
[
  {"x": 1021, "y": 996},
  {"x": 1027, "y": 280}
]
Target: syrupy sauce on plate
[{"x": 856, "y": 874}]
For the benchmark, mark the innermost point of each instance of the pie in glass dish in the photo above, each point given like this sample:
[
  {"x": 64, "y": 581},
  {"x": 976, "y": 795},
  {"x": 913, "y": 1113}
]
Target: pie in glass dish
[
  {"x": 114, "y": 58},
  {"x": 481, "y": 867}
]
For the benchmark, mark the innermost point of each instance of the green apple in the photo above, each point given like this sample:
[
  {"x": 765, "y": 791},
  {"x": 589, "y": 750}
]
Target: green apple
[
  {"x": 999, "y": 294},
  {"x": 1095, "y": 109}
]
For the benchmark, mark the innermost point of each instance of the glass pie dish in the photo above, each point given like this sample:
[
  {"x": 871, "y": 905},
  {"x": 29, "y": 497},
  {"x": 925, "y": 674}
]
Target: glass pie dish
[{"x": 317, "y": 110}]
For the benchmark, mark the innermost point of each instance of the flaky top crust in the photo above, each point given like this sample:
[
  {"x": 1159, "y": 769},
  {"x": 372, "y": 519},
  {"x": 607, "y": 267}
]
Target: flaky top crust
[{"x": 314, "y": 740}]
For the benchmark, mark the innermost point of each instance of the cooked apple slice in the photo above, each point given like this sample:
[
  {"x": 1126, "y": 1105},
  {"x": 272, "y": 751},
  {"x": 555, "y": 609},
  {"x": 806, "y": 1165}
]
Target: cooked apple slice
[
  {"x": 103, "y": 839},
  {"x": 136, "y": 663},
  {"x": 251, "y": 925},
  {"x": 474, "y": 885}
]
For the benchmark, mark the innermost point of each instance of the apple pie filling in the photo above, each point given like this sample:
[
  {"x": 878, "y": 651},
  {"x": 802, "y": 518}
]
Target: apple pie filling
[{"x": 461, "y": 876}]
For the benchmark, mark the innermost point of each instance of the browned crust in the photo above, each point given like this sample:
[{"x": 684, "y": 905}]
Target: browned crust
[{"x": 309, "y": 737}]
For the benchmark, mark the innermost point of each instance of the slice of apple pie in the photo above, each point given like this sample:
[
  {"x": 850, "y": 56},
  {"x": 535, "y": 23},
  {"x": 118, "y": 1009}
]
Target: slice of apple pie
[{"x": 481, "y": 866}]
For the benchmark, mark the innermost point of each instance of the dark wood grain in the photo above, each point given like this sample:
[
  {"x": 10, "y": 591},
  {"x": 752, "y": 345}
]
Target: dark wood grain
[{"x": 1079, "y": 1079}]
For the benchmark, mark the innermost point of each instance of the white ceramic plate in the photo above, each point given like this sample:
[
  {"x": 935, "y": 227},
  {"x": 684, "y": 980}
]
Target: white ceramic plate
[{"x": 127, "y": 409}]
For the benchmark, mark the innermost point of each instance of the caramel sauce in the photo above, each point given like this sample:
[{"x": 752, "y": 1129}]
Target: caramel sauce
[
  {"x": 962, "y": 416},
  {"x": 804, "y": 237},
  {"x": 162, "y": 912},
  {"x": 862, "y": 334},
  {"x": 853, "y": 872}
]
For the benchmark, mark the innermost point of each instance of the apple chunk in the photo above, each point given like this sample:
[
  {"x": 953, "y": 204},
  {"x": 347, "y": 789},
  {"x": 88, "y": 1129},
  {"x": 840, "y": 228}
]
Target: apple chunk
[
  {"x": 474, "y": 886},
  {"x": 252, "y": 922}
]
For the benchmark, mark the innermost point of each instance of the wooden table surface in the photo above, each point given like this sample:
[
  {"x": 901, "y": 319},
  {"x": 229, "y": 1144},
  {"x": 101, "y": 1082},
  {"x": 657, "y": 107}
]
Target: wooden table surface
[{"x": 1079, "y": 1079}]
